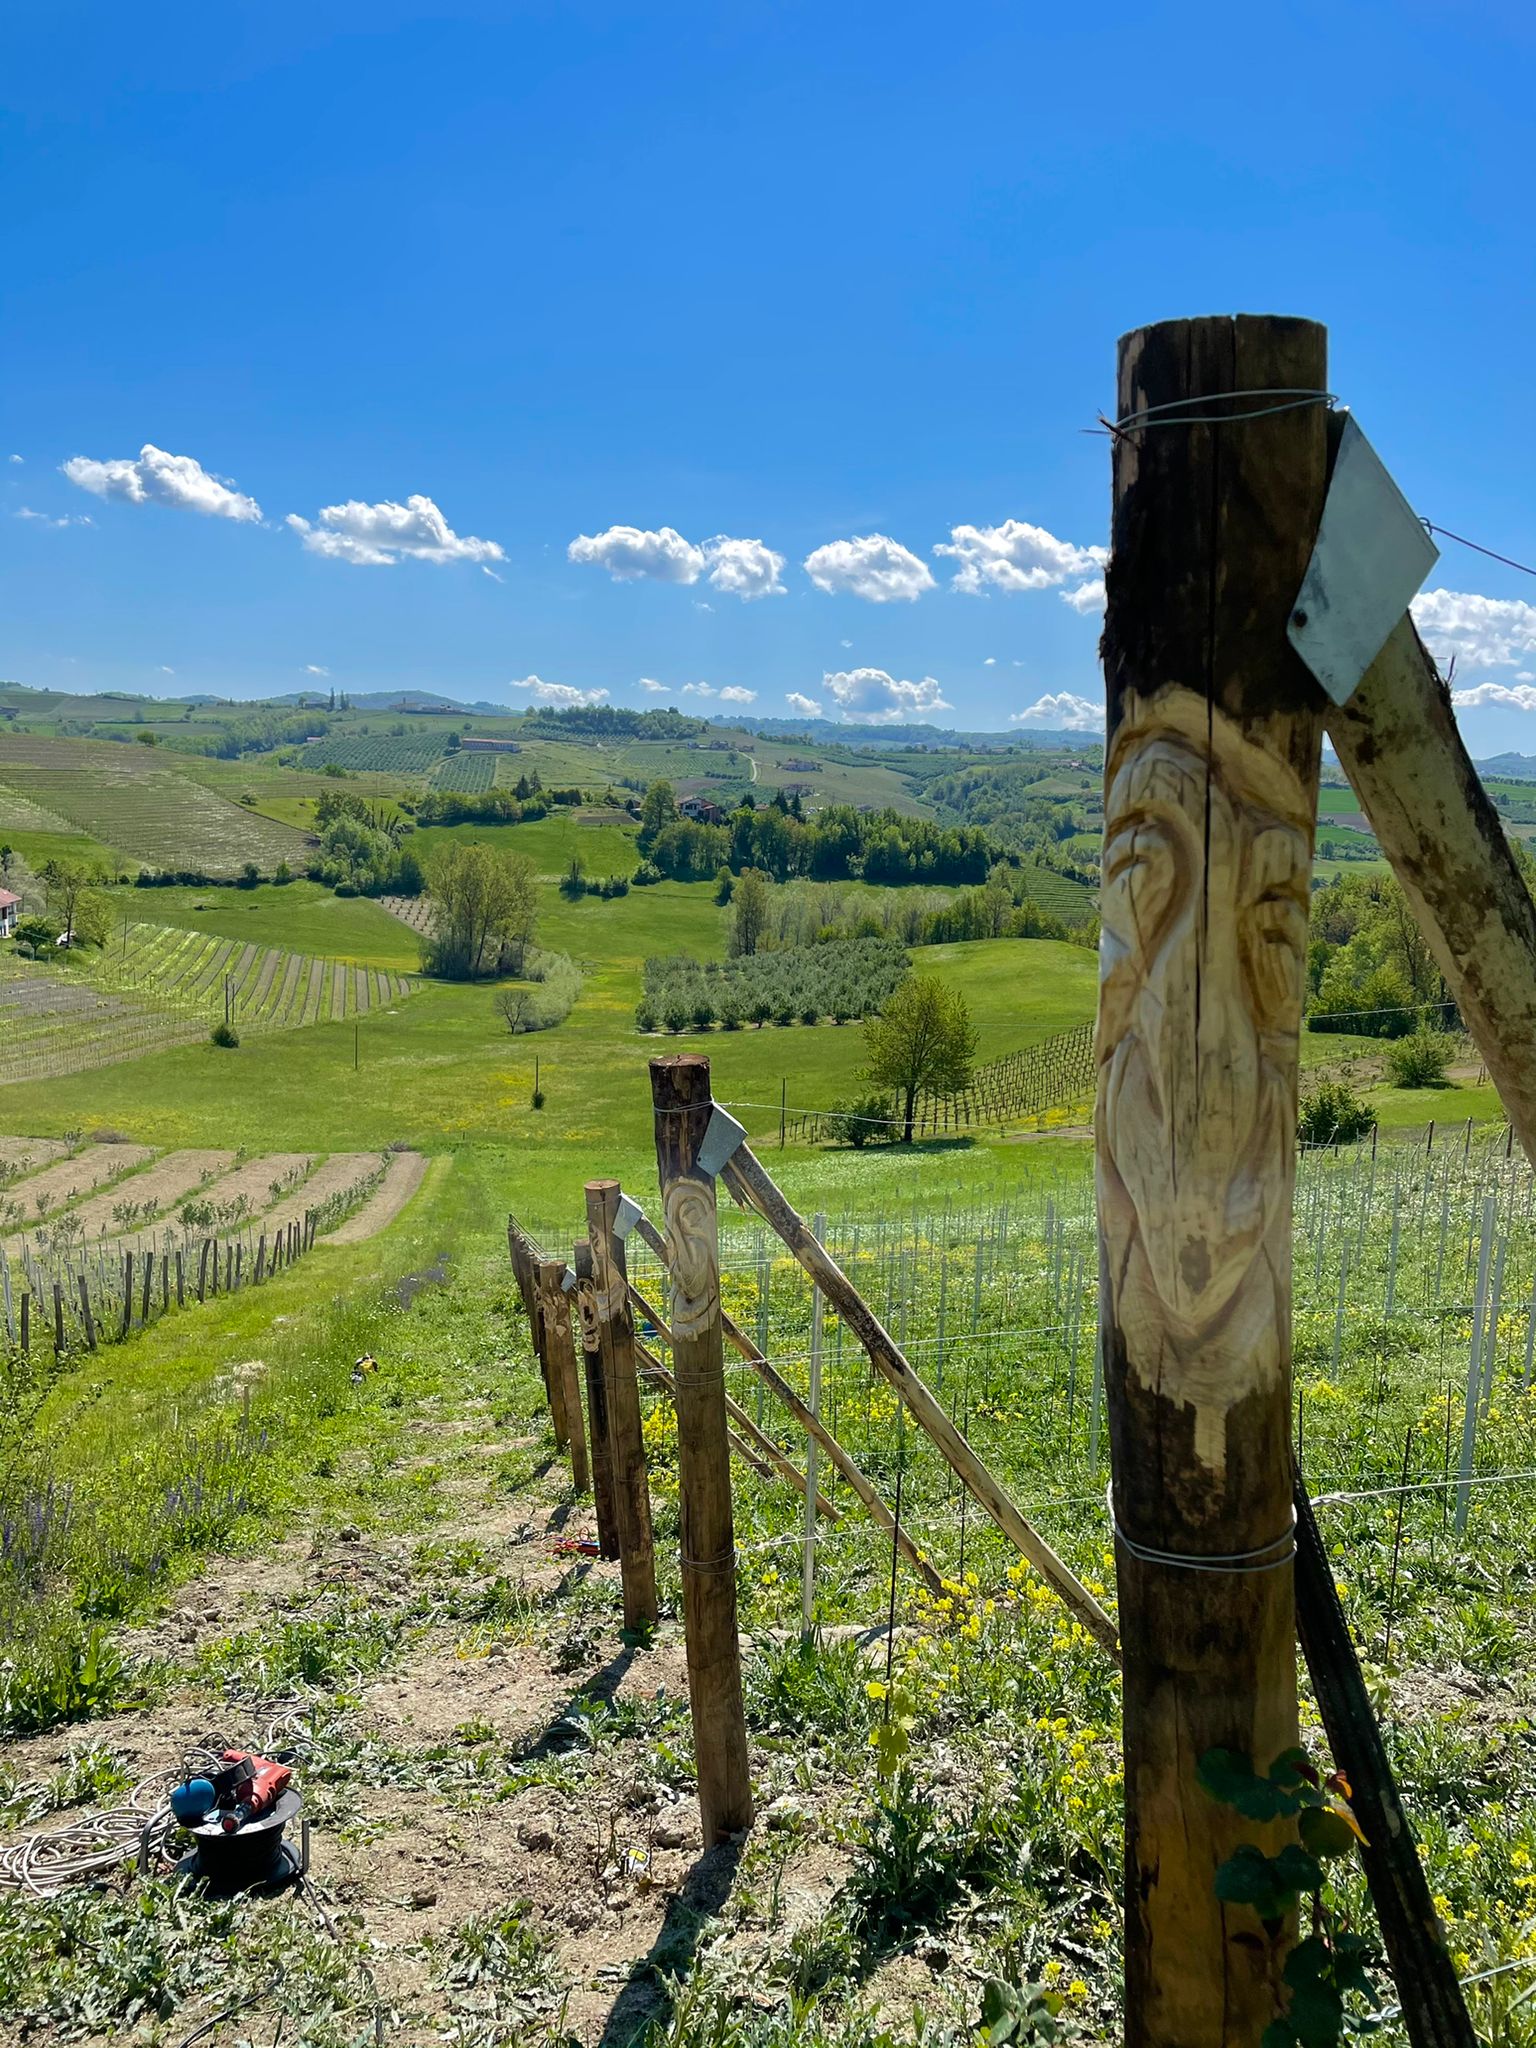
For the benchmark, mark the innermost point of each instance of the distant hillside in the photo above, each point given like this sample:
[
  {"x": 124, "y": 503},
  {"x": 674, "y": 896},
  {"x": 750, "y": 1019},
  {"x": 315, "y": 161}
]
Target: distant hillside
[{"x": 1517, "y": 767}]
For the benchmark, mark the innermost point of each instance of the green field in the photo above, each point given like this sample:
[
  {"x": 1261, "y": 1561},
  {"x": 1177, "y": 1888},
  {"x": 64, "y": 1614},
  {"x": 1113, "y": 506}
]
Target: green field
[
  {"x": 300, "y": 916},
  {"x": 124, "y": 797}
]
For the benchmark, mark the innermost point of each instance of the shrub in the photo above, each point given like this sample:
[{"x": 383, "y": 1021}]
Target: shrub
[
  {"x": 866, "y": 1120},
  {"x": 646, "y": 874},
  {"x": 1333, "y": 1114},
  {"x": 224, "y": 1033},
  {"x": 1420, "y": 1061}
]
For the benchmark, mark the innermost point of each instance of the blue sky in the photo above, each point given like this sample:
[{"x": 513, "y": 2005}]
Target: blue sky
[{"x": 836, "y": 279}]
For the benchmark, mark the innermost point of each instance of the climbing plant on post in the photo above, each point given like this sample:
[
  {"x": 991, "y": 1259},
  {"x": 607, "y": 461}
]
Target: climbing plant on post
[{"x": 1210, "y": 781}]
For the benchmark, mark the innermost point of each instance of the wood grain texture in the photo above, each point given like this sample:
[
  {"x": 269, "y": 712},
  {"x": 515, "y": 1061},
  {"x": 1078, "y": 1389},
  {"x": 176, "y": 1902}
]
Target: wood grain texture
[
  {"x": 585, "y": 1297},
  {"x": 1400, "y": 746},
  {"x": 680, "y": 1094},
  {"x": 1211, "y": 768},
  {"x": 754, "y": 1188},
  {"x": 560, "y": 1354},
  {"x": 616, "y": 1335}
]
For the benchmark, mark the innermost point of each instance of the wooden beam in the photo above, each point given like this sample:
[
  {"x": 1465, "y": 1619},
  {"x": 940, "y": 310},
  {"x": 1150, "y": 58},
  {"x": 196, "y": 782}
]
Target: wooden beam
[
  {"x": 616, "y": 1332},
  {"x": 753, "y": 1187},
  {"x": 1402, "y": 750},
  {"x": 681, "y": 1099},
  {"x": 867, "y": 1495},
  {"x": 597, "y": 1401},
  {"x": 777, "y": 1459},
  {"x": 560, "y": 1355},
  {"x": 1211, "y": 774}
]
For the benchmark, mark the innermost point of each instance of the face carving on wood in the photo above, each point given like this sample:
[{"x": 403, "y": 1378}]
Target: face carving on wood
[
  {"x": 1202, "y": 970},
  {"x": 691, "y": 1255}
]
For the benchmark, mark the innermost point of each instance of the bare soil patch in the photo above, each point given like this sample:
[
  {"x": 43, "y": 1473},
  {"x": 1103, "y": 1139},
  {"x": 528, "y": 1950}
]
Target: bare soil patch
[
  {"x": 43, "y": 1192},
  {"x": 402, "y": 1177}
]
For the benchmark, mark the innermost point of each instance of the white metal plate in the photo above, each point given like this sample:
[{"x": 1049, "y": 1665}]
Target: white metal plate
[
  {"x": 721, "y": 1138},
  {"x": 1369, "y": 559},
  {"x": 626, "y": 1216}
]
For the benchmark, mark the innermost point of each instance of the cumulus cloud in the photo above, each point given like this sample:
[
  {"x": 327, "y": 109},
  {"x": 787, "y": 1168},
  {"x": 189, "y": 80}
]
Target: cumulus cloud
[
  {"x": 650, "y": 683},
  {"x": 734, "y": 694},
  {"x": 564, "y": 696},
  {"x": 315, "y": 668},
  {"x": 630, "y": 552},
  {"x": 1087, "y": 597},
  {"x": 154, "y": 477},
  {"x": 1489, "y": 696},
  {"x": 47, "y": 518},
  {"x": 18, "y": 458},
  {"x": 1015, "y": 556},
  {"x": 377, "y": 536},
  {"x": 1062, "y": 712},
  {"x": 743, "y": 568},
  {"x": 698, "y": 690},
  {"x": 871, "y": 566},
  {"x": 871, "y": 697},
  {"x": 740, "y": 568},
  {"x": 806, "y": 706},
  {"x": 1481, "y": 632}
]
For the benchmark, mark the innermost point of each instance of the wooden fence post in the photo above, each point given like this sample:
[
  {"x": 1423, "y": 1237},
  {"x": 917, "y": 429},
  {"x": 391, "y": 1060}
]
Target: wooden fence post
[
  {"x": 58, "y": 1317},
  {"x": 616, "y": 1336},
  {"x": 181, "y": 1289},
  {"x": 597, "y": 1400},
  {"x": 680, "y": 1096},
  {"x": 149, "y": 1288},
  {"x": 127, "y": 1293},
  {"x": 85, "y": 1315},
  {"x": 26, "y": 1325},
  {"x": 560, "y": 1351},
  {"x": 1210, "y": 795}
]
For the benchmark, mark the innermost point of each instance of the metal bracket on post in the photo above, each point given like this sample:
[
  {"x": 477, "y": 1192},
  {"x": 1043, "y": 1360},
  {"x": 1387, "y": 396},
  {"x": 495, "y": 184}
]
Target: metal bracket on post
[
  {"x": 1369, "y": 559},
  {"x": 568, "y": 1281},
  {"x": 722, "y": 1136},
  {"x": 626, "y": 1216}
]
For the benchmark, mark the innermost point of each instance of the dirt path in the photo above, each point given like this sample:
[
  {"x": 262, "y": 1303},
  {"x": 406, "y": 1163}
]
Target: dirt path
[
  {"x": 25, "y": 1154},
  {"x": 402, "y": 1177},
  {"x": 67, "y": 1179},
  {"x": 166, "y": 1181}
]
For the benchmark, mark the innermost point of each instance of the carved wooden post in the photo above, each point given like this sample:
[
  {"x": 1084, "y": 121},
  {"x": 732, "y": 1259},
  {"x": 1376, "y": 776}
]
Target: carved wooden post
[
  {"x": 560, "y": 1351},
  {"x": 681, "y": 1097},
  {"x": 597, "y": 1400},
  {"x": 1210, "y": 792},
  {"x": 616, "y": 1336}
]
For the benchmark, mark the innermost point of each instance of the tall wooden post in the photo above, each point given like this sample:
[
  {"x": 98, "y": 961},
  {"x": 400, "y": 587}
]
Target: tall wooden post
[
  {"x": 1210, "y": 791},
  {"x": 560, "y": 1352},
  {"x": 616, "y": 1336},
  {"x": 681, "y": 1098},
  {"x": 597, "y": 1400}
]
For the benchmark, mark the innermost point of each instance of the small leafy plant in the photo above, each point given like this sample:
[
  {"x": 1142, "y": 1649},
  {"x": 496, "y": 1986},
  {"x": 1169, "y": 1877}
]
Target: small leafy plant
[{"x": 1328, "y": 1964}]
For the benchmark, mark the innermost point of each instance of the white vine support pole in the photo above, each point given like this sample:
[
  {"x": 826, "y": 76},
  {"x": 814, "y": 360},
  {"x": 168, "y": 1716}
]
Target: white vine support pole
[
  {"x": 1210, "y": 797},
  {"x": 808, "y": 1562},
  {"x": 616, "y": 1334},
  {"x": 681, "y": 1099}
]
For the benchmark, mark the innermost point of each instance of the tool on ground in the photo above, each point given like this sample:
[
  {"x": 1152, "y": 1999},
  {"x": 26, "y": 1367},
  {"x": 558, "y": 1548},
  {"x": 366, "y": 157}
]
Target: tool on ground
[{"x": 236, "y": 1815}]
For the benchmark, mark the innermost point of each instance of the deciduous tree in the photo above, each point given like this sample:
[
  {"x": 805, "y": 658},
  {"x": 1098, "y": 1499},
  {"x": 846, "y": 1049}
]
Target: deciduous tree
[
  {"x": 486, "y": 905},
  {"x": 922, "y": 1038}
]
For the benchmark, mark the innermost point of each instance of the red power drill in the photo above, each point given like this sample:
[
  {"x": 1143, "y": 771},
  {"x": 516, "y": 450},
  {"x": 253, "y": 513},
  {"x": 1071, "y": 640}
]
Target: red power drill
[{"x": 258, "y": 1785}]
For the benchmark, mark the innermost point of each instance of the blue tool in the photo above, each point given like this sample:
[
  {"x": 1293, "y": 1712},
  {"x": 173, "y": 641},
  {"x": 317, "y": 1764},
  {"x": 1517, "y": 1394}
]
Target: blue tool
[{"x": 192, "y": 1801}]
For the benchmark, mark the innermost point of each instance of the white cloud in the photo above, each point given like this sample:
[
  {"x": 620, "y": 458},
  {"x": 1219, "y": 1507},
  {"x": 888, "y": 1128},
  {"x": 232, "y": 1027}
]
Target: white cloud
[
  {"x": 740, "y": 568},
  {"x": 806, "y": 706},
  {"x": 1062, "y": 712},
  {"x": 154, "y": 477},
  {"x": 315, "y": 668},
  {"x": 630, "y": 552},
  {"x": 375, "y": 536},
  {"x": 47, "y": 519},
  {"x": 1481, "y": 632},
  {"x": 871, "y": 566},
  {"x": 1087, "y": 597},
  {"x": 650, "y": 683},
  {"x": 698, "y": 690},
  {"x": 1015, "y": 556},
  {"x": 990, "y": 662},
  {"x": 743, "y": 568},
  {"x": 871, "y": 697},
  {"x": 734, "y": 694},
  {"x": 702, "y": 605},
  {"x": 845, "y": 643},
  {"x": 1525, "y": 675},
  {"x": 564, "y": 696},
  {"x": 1485, "y": 696},
  {"x": 166, "y": 671},
  {"x": 484, "y": 571},
  {"x": 18, "y": 458}
]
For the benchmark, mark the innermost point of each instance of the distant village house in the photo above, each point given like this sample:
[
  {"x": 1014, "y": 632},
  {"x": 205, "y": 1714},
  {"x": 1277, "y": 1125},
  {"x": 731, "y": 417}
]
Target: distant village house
[
  {"x": 470, "y": 744},
  {"x": 701, "y": 810},
  {"x": 10, "y": 911}
]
